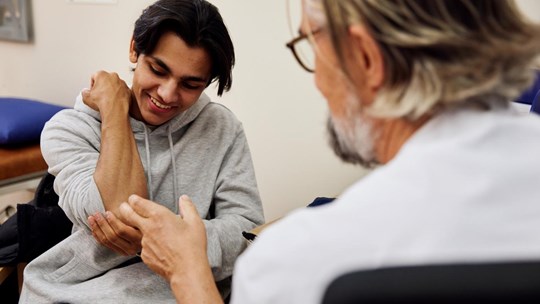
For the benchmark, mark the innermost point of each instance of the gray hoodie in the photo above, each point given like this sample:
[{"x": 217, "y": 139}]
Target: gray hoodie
[{"x": 203, "y": 153}]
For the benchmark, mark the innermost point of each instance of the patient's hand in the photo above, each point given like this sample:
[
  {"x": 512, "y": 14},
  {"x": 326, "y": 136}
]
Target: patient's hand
[
  {"x": 107, "y": 93},
  {"x": 112, "y": 233}
]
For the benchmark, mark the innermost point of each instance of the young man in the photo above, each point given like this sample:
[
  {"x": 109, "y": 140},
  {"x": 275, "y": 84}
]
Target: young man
[
  {"x": 421, "y": 88},
  {"x": 160, "y": 138}
]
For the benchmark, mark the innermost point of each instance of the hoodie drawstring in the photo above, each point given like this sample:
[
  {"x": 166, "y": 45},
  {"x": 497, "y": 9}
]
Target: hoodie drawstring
[
  {"x": 149, "y": 166},
  {"x": 175, "y": 184}
]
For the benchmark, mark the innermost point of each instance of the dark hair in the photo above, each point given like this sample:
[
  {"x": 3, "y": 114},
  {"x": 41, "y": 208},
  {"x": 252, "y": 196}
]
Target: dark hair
[{"x": 198, "y": 23}]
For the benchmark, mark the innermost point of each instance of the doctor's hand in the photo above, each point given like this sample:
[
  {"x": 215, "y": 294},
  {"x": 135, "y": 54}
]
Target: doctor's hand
[
  {"x": 110, "y": 232},
  {"x": 172, "y": 245},
  {"x": 107, "y": 94}
]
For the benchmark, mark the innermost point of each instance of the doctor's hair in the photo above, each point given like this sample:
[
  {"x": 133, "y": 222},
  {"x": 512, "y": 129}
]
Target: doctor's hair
[
  {"x": 439, "y": 53},
  {"x": 199, "y": 24}
]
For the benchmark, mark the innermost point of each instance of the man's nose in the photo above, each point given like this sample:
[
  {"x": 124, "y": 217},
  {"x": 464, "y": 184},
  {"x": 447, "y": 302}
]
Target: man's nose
[{"x": 168, "y": 91}]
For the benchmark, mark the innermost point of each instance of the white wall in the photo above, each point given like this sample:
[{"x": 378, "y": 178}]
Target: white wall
[
  {"x": 283, "y": 114},
  {"x": 531, "y": 8}
]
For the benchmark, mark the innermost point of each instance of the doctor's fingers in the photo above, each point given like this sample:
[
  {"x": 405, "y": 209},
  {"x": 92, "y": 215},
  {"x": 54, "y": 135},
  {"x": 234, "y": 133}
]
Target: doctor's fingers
[
  {"x": 130, "y": 217},
  {"x": 147, "y": 208},
  {"x": 188, "y": 212}
]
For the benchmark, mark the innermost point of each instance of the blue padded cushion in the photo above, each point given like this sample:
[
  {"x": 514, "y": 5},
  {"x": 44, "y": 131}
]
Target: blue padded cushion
[{"x": 21, "y": 120}]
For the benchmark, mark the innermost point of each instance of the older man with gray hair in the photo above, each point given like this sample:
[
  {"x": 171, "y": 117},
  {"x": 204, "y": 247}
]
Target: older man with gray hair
[{"x": 420, "y": 90}]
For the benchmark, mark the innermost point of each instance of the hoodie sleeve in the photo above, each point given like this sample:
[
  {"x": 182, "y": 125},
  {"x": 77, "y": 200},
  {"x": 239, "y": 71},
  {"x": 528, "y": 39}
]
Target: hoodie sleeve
[
  {"x": 237, "y": 208},
  {"x": 70, "y": 145}
]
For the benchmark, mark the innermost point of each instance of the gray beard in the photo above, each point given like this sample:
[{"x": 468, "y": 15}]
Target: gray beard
[{"x": 352, "y": 145}]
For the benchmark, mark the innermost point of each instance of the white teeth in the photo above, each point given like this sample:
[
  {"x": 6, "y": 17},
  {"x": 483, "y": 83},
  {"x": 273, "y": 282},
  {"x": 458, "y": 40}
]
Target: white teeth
[{"x": 159, "y": 105}]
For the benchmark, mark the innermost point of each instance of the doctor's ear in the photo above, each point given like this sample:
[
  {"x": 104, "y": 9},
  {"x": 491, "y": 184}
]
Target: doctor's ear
[{"x": 370, "y": 56}]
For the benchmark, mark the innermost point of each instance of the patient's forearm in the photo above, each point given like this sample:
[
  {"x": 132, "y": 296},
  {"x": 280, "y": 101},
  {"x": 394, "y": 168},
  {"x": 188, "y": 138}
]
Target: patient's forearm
[{"x": 119, "y": 172}]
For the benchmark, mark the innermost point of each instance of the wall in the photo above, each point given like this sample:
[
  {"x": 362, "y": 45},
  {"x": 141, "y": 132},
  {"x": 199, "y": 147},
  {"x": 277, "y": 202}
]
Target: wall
[
  {"x": 531, "y": 8},
  {"x": 283, "y": 114}
]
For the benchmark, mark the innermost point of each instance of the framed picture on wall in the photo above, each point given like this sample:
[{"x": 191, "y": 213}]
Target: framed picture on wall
[{"x": 15, "y": 20}]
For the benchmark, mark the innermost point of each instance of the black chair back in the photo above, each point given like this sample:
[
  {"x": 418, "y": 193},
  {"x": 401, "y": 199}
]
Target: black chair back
[{"x": 513, "y": 283}]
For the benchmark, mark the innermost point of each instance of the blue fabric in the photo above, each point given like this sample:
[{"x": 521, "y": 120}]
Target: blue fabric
[
  {"x": 21, "y": 120},
  {"x": 321, "y": 201},
  {"x": 536, "y": 103},
  {"x": 529, "y": 95}
]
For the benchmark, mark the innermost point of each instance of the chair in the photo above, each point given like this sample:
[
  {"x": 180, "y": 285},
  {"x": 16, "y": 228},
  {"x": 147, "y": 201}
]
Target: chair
[
  {"x": 512, "y": 282},
  {"x": 37, "y": 226}
]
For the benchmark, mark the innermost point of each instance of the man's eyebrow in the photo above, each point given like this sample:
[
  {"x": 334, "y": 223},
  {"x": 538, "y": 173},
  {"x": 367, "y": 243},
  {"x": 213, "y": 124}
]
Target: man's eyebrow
[{"x": 164, "y": 66}]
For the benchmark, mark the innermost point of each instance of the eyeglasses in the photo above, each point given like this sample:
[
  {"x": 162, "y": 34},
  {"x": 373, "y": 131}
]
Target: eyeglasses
[{"x": 303, "y": 51}]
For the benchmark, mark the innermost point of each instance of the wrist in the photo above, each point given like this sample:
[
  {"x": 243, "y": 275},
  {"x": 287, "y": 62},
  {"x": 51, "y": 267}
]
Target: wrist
[
  {"x": 114, "y": 112},
  {"x": 195, "y": 284},
  {"x": 115, "y": 122},
  {"x": 197, "y": 269}
]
